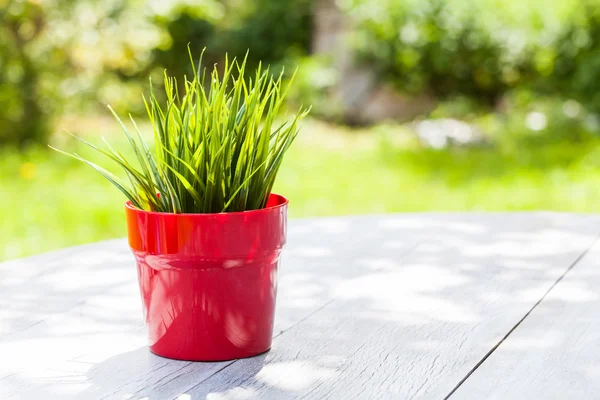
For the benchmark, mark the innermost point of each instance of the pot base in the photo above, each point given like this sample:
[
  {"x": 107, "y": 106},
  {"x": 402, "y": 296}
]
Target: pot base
[
  {"x": 211, "y": 314},
  {"x": 209, "y": 359}
]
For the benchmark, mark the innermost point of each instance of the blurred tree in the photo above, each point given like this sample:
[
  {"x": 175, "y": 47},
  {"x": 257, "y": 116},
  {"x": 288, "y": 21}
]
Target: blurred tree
[
  {"x": 73, "y": 55},
  {"x": 61, "y": 54},
  {"x": 574, "y": 61},
  {"x": 436, "y": 46},
  {"x": 270, "y": 30},
  {"x": 481, "y": 48},
  {"x": 24, "y": 112}
]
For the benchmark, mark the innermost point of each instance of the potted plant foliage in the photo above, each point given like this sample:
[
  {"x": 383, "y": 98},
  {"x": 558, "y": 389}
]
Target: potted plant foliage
[{"x": 202, "y": 222}]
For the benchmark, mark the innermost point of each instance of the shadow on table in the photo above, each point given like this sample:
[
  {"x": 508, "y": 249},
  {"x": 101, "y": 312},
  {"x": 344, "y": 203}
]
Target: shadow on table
[
  {"x": 363, "y": 303},
  {"x": 402, "y": 306},
  {"x": 31, "y": 289},
  {"x": 105, "y": 380}
]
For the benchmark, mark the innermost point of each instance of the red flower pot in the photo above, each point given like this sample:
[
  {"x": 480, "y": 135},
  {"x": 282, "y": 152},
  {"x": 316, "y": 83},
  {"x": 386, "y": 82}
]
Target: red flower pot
[{"x": 209, "y": 281}]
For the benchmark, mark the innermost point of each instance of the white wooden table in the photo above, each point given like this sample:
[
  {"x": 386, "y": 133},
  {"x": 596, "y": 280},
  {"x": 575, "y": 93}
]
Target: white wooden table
[{"x": 465, "y": 306}]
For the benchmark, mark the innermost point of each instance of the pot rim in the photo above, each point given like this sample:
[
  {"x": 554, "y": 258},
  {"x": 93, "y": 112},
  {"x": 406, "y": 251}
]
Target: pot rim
[{"x": 284, "y": 202}]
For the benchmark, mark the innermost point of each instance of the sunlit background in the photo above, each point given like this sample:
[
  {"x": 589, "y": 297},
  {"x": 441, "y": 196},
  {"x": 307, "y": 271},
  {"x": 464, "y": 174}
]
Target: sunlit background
[{"x": 418, "y": 105}]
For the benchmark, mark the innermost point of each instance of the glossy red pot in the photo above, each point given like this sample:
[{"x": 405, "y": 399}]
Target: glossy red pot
[{"x": 209, "y": 281}]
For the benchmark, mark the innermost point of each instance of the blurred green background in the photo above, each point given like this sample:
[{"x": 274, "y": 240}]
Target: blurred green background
[{"x": 417, "y": 105}]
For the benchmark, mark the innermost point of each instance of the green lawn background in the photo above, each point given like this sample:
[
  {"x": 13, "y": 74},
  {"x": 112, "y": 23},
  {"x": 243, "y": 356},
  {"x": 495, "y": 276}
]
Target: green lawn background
[{"x": 51, "y": 201}]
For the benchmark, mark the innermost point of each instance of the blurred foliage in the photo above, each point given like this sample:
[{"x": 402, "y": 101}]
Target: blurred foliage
[
  {"x": 432, "y": 45},
  {"x": 574, "y": 61},
  {"x": 24, "y": 100},
  {"x": 58, "y": 54},
  {"x": 480, "y": 48},
  {"x": 315, "y": 84},
  {"x": 272, "y": 31},
  {"x": 537, "y": 62},
  {"x": 473, "y": 50},
  {"x": 71, "y": 56}
]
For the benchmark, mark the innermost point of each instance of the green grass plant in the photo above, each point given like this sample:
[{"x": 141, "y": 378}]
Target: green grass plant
[{"x": 218, "y": 145}]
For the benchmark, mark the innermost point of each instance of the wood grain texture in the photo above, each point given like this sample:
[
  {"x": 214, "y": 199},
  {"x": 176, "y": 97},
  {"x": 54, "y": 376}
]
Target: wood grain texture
[
  {"x": 412, "y": 328},
  {"x": 555, "y": 352},
  {"x": 398, "y": 306},
  {"x": 71, "y": 320}
]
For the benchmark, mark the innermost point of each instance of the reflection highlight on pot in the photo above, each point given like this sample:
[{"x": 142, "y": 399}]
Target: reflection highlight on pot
[
  {"x": 209, "y": 281},
  {"x": 209, "y": 313}
]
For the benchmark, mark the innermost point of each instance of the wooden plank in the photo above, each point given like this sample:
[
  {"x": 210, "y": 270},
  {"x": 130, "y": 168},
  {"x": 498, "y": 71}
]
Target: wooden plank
[
  {"x": 31, "y": 289},
  {"x": 75, "y": 327},
  {"x": 413, "y": 328},
  {"x": 555, "y": 352},
  {"x": 406, "y": 303}
]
